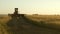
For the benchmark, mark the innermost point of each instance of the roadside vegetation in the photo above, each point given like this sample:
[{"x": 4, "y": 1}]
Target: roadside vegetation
[{"x": 3, "y": 26}]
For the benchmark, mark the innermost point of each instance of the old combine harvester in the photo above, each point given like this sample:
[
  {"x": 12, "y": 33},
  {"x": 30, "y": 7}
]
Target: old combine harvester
[{"x": 15, "y": 14}]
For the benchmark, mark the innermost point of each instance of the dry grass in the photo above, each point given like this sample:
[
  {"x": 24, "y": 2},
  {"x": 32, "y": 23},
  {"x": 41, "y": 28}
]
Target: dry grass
[
  {"x": 52, "y": 21},
  {"x": 46, "y": 18},
  {"x": 3, "y": 26},
  {"x": 4, "y": 19}
]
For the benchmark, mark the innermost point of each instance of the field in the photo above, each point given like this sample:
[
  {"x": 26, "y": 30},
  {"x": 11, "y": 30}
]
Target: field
[
  {"x": 48, "y": 24},
  {"x": 3, "y": 27},
  {"x": 48, "y": 20}
]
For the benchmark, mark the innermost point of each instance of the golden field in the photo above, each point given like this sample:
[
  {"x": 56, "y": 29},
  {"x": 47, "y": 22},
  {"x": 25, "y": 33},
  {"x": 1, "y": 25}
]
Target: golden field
[
  {"x": 3, "y": 26},
  {"x": 45, "y": 18},
  {"x": 49, "y": 21},
  {"x": 52, "y": 21}
]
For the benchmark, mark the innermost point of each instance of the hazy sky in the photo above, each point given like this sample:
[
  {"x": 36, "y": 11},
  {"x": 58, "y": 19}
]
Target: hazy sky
[{"x": 30, "y": 6}]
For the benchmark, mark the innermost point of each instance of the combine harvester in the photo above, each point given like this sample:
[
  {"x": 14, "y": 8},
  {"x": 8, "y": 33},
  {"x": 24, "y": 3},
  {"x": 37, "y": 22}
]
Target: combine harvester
[{"x": 15, "y": 14}]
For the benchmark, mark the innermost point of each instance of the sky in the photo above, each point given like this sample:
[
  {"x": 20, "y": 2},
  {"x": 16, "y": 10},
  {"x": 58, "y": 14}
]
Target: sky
[{"x": 30, "y": 6}]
